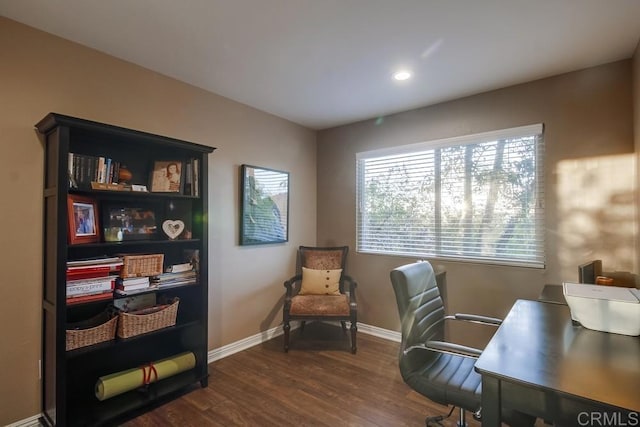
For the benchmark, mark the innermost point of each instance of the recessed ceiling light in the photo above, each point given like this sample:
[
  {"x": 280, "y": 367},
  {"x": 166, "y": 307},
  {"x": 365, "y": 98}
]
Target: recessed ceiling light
[{"x": 402, "y": 75}]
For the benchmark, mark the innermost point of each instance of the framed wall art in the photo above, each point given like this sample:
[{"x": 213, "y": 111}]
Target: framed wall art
[
  {"x": 264, "y": 210},
  {"x": 82, "y": 220}
]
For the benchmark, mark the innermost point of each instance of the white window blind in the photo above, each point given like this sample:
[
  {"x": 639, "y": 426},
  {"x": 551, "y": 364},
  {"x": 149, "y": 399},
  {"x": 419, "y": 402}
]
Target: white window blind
[{"x": 477, "y": 197}]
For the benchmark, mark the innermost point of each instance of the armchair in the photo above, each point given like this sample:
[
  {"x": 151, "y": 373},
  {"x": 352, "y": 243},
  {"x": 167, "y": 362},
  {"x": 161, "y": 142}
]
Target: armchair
[
  {"x": 441, "y": 371},
  {"x": 320, "y": 290}
]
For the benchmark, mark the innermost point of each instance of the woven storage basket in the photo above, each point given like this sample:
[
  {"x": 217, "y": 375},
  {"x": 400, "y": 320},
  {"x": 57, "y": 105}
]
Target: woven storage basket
[
  {"x": 141, "y": 265},
  {"x": 132, "y": 324},
  {"x": 86, "y": 335}
]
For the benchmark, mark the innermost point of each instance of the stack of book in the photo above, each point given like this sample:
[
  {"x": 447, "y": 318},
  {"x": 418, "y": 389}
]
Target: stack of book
[
  {"x": 133, "y": 285},
  {"x": 191, "y": 178},
  {"x": 91, "y": 279},
  {"x": 176, "y": 275},
  {"x": 86, "y": 170}
]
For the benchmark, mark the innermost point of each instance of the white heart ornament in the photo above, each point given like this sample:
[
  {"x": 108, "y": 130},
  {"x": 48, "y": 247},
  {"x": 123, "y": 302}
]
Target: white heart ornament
[{"x": 173, "y": 228}]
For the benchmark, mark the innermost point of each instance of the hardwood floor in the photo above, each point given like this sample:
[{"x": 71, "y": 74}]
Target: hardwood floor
[{"x": 318, "y": 383}]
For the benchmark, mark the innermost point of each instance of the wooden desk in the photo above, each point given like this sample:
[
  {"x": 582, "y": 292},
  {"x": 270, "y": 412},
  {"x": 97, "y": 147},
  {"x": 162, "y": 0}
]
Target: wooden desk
[{"x": 540, "y": 363}]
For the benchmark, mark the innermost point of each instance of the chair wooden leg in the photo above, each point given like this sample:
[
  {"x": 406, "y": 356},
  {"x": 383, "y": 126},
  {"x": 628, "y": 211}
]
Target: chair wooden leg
[
  {"x": 302, "y": 326},
  {"x": 286, "y": 328},
  {"x": 354, "y": 329},
  {"x": 344, "y": 326}
]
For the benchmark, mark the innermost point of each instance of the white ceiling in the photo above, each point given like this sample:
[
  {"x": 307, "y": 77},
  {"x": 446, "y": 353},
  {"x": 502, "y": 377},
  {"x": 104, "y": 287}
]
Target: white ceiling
[{"x": 323, "y": 63}]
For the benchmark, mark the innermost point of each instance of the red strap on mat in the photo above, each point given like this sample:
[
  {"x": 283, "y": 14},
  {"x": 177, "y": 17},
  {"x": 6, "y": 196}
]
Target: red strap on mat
[{"x": 147, "y": 370}]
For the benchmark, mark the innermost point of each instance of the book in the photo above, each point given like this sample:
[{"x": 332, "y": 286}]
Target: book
[
  {"x": 196, "y": 178},
  {"x": 133, "y": 287},
  {"x": 77, "y": 273},
  {"x": 125, "y": 292},
  {"x": 172, "y": 279},
  {"x": 89, "y": 286},
  {"x": 188, "y": 178},
  {"x": 109, "y": 186},
  {"x": 132, "y": 281},
  {"x": 177, "y": 268},
  {"x": 108, "y": 279},
  {"x": 95, "y": 261},
  {"x": 90, "y": 298}
]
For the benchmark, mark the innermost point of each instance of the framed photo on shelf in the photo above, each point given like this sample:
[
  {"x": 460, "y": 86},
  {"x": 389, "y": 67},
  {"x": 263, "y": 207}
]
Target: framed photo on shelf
[
  {"x": 264, "y": 210},
  {"x": 82, "y": 220},
  {"x": 124, "y": 223},
  {"x": 177, "y": 222},
  {"x": 166, "y": 177}
]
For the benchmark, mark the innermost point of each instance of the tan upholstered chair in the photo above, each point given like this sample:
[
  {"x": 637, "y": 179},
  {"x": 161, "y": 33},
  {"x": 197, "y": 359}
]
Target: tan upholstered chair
[{"x": 320, "y": 290}]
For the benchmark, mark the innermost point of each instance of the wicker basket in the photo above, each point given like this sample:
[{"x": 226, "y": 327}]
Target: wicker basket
[
  {"x": 98, "y": 329},
  {"x": 141, "y": 265},
  {"x": 132, "y": 324}
]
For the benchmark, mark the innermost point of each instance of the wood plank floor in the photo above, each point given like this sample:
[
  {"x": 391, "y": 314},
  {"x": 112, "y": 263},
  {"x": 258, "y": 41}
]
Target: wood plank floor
[{"x": 318, "y": 383}]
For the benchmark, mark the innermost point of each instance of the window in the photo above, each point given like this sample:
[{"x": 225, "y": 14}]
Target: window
[{"x": 477, "y": 197}]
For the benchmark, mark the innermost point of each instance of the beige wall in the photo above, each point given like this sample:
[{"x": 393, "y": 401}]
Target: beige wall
[
  {"x": 590, "y": 206},
  {"x": 40, "y": 73}
]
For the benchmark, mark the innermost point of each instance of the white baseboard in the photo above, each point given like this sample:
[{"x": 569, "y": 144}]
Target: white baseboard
[
  {"x": 259, "y": 338},
  {"x": 380, "y": 332},
  {"x": 28, "y": 422},
  {"x": 243, "y": 344}
]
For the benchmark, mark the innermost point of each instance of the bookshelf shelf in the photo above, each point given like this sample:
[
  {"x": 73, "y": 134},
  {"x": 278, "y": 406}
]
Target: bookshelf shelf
[
  {"x": 130, "y": 194},
  {"x": 120, "y": 344},
  {"x": 78, "y": 152},
  {"x": 134, "y": 243}
]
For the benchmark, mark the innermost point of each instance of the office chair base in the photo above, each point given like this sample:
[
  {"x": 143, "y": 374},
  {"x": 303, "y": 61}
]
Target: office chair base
[{"x": 435, "y": 421}]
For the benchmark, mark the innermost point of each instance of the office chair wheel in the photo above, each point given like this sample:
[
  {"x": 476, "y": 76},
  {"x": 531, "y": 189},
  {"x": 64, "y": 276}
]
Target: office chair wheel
[{"x": 434, "y": 421}]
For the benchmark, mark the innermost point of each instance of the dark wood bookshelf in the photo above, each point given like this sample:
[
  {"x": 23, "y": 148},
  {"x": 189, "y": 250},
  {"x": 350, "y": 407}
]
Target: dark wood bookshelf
[{"x": 69, "y": 377}]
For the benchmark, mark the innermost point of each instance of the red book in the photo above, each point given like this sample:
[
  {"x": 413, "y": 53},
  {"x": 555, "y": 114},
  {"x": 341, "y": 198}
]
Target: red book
[
  {"x": 90, "y": 272},
  {"x": 89, "y": 298},
  {"x": 87, "y": 273}
]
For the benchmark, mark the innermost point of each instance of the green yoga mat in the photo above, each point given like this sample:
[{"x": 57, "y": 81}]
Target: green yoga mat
[{"x": 121, "y": 382}]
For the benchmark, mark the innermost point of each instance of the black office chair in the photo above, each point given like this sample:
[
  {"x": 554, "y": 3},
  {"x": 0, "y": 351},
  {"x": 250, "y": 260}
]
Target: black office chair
[{"x": 441, "y": 371}]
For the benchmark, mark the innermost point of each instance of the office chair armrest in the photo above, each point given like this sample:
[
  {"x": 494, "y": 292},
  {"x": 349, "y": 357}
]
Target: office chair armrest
[
  {"x": 472, "y": 318},
  {"x": 447, "y": 348},
  {"x": 485, "y": 320}
]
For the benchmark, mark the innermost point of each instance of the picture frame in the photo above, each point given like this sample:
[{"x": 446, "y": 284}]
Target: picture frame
[
  {"x": 178, "y": 223},
  {"x": 127, "y": 223},
  {"x": 167, "y": 176},
  {"x": 264, "y": 205},
  {"x": 82, "y": 220}
]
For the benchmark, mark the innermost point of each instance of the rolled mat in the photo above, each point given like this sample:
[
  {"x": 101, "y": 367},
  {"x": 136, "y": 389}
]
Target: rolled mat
[{"x": 120, "y": 382}]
